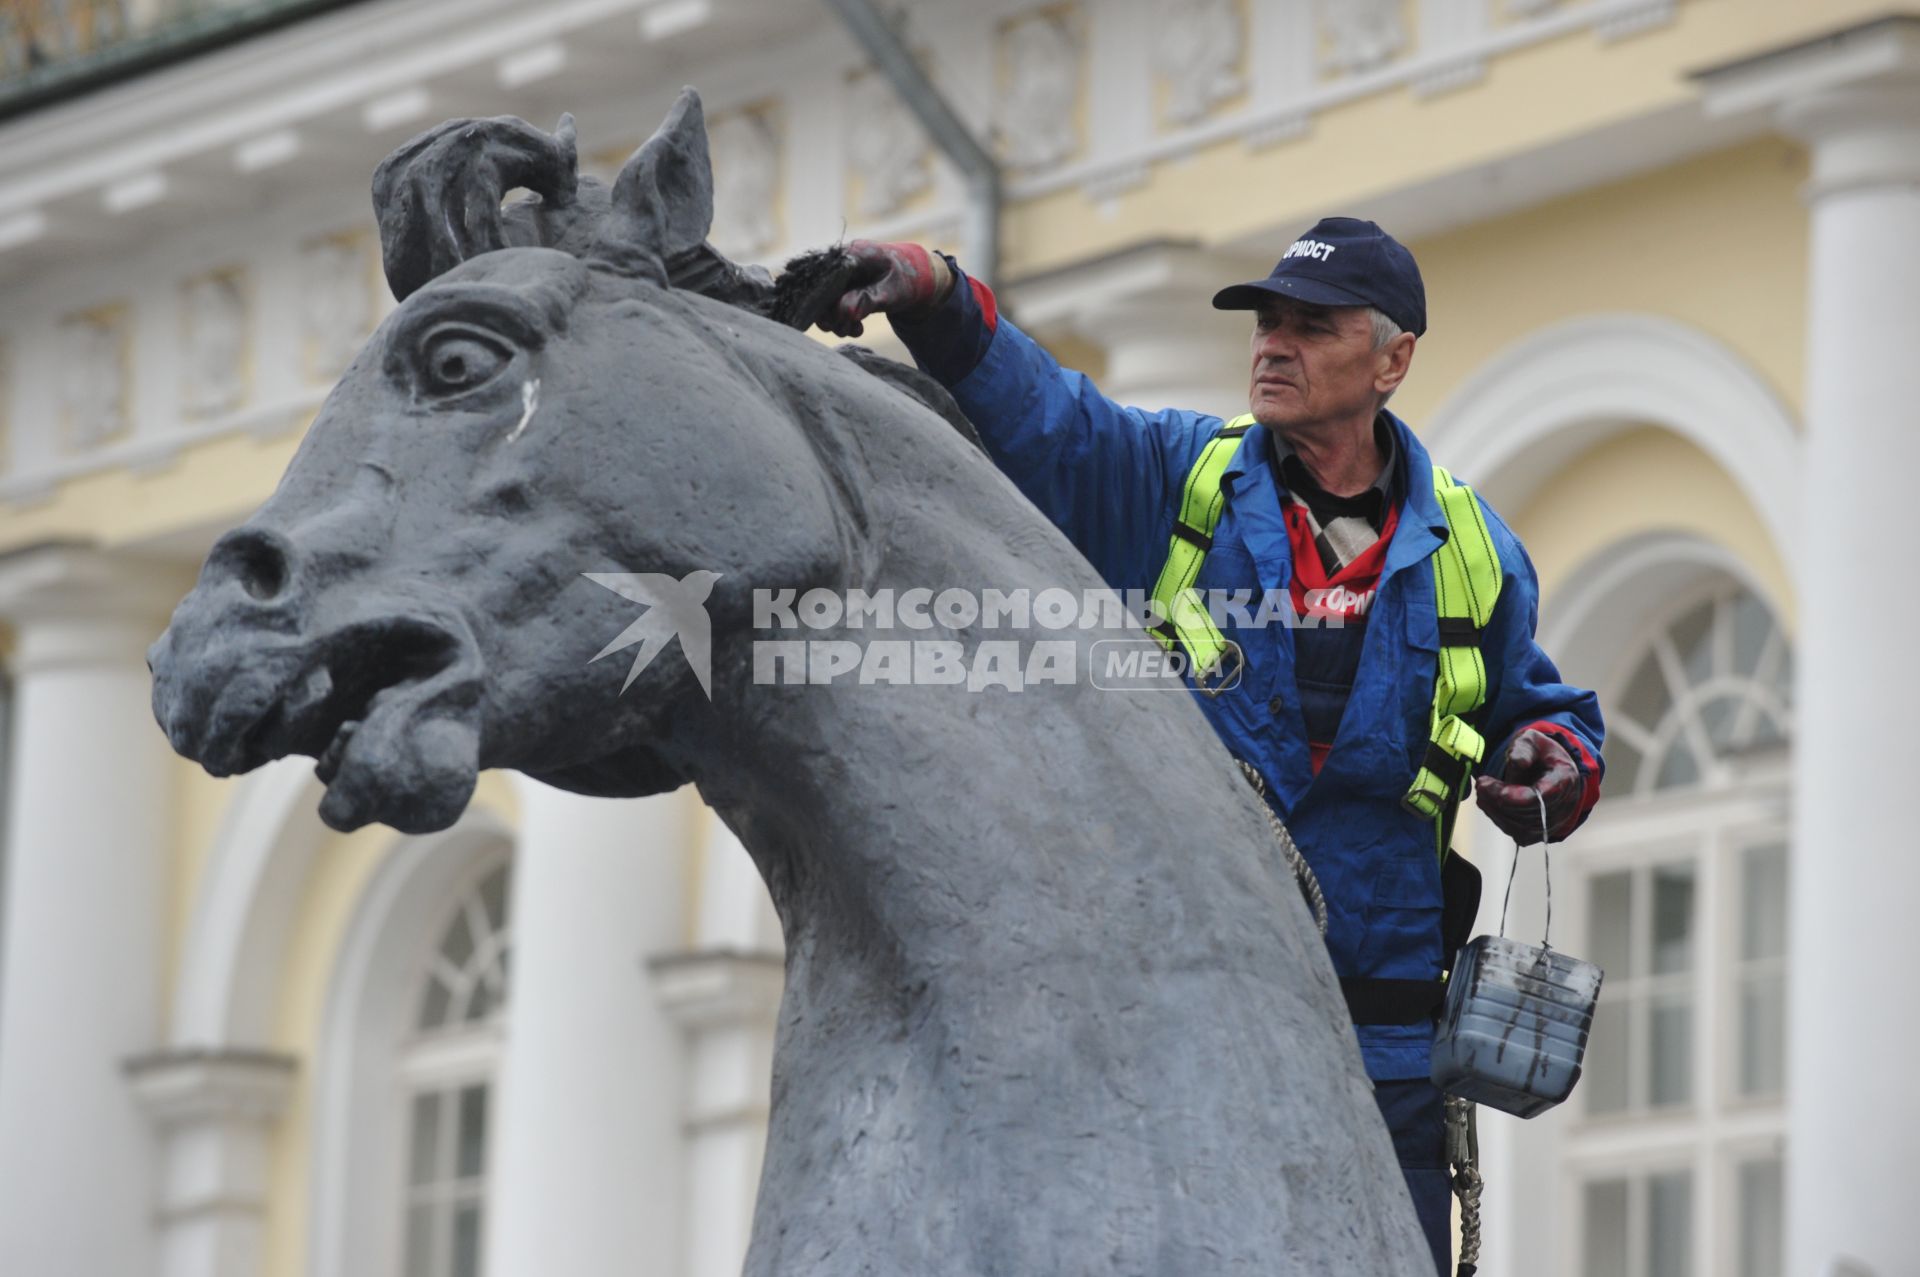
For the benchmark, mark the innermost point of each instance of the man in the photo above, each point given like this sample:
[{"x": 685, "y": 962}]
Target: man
[{"x": 1331, "y": 499}]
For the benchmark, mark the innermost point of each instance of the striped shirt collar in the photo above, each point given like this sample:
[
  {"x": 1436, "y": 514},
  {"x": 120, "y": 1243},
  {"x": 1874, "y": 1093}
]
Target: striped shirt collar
[{"x": 1293, "y": 476}]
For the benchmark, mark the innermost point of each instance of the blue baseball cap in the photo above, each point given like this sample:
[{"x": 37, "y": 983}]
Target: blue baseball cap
[{"x": 1342, "y": 261}]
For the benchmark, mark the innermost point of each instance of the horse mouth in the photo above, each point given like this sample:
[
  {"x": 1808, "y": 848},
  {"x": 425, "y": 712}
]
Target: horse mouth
[
  {"x": 333, "y": 690},
  {"x": 389, "y": 710}
]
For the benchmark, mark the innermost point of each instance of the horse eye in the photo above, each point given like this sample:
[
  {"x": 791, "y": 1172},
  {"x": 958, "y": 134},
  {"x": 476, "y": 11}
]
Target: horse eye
[{"x": 459, "y": 359}]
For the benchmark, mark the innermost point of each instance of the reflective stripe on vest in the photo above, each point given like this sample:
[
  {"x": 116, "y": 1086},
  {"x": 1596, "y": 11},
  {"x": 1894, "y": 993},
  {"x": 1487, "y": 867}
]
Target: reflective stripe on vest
[
  {"x": 1466, "y": 585},
  {"x": 1184, "y": 618}
]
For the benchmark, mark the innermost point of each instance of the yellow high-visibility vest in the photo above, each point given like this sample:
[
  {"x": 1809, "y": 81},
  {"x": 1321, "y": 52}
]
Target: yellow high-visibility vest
[{"x": 1466, "y": 585}]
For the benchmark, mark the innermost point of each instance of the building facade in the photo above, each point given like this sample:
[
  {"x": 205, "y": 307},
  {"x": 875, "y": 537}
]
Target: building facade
[{"x": 1669, "y": 247}]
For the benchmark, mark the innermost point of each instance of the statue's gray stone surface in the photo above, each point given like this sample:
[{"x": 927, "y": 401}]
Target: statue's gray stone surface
[{"x": 1053, "y": 1005}]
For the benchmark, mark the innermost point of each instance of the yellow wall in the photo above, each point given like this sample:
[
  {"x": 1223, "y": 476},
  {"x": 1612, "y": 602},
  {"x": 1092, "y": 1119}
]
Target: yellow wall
[
  {"x": 1718, "y": 242},
  {"x": 217, "y": 483},
  {"x": 1531, "y": 98},
  {"x": 1645, "y": 479}
]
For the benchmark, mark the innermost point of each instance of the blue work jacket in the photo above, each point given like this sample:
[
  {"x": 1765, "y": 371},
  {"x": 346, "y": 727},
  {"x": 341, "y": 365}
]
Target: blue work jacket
[{"x": 1110, "y": 478}]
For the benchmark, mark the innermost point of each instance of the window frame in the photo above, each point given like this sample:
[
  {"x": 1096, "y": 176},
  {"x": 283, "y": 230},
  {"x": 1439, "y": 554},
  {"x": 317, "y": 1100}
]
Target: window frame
[
  {"x": 1740, "y": 800},
  {"x": 1641, "y": 860},
  {"x": 1638, "y": 1171},
  {"x": 1737, "y": 841},
  {"x": 1730, "y": 1156},
  {"x": 458, "y": 1054},
  {"x": 1680, "y": 718},
  {"x": 1717, "y": 1129}
]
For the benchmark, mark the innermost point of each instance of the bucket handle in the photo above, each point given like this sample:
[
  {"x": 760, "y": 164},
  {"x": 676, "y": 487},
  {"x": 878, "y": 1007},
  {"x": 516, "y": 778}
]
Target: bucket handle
[{"x": 1546, "y": 862}]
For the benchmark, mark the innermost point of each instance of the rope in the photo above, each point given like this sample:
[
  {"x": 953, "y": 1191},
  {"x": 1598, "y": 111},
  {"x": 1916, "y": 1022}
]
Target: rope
[
  {"x": 1463, "y": 1156},
  {"x": 1546, "y": 860},
  {"x": 1302, "y": 871},
  {"x": 1546, "y": 865}
]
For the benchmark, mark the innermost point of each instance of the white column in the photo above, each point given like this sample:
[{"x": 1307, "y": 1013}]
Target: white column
[
  {"x": 725, "y": 995},
  {"x": 1151, "y": 308},
  {"x": 215, "y": 1111},
  {"x": 1855, "y": 1106},
  {"x": 88, "y": 829},
  {"x": 587, "y": 1174},
  {"x": 1854, "y": 1111}
]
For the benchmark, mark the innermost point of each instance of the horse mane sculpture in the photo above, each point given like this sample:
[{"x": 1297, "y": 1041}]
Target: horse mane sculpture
[{"x": 1053, "y": 1005}]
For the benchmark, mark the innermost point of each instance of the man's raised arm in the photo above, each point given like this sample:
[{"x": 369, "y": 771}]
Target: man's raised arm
[{"x": 1101, "y": 472}]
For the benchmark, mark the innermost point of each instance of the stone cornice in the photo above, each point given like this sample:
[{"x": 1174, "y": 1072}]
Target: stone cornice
[
  {"x": 186, "y": 1085},
  {"x": 1853, "y": 94},
  {"x": 71, "y": 604},
  {"x": 1156, "y": 275},
  {"x": 717, "y": 988},
  {"x": 1869, "y": 52}
]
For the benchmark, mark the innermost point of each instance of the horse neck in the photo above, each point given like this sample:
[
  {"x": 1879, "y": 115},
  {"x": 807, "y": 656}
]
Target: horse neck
[{"x": 898, "y": 809}]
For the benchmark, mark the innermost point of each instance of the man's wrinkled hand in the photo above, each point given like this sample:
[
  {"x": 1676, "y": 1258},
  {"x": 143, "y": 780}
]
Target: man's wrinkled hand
[
  {"x": 1537, "y": 766},
  {"x": 892, "y": 278}
]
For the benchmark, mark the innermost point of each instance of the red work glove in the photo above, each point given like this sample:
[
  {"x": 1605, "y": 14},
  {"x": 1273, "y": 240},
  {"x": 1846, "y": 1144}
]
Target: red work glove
[
  {"x": 1537, "y": 766},
  {"x": 891, "y": 278}
]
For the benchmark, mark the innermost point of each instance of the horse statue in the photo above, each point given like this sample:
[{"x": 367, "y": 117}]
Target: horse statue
[{"x": 1053, "y": 1004}]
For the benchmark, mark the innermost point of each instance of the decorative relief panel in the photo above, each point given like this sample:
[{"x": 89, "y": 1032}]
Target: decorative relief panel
[
  {"x": 95, "y": 372},
  {"x": 1359, "y": 35},
  {"x": 213, "y": 322},
  {"x": 1041, "y": 59},
  {"x": 748, "y": 179},
  {"x": 336, "y": 302},
  {"x": 888, "y": 154},
  {"x": 1199, "y": 52}
]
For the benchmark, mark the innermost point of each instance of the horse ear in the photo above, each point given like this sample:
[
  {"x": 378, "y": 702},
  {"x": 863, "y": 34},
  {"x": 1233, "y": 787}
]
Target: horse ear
[{"x": 663, "y": 198}]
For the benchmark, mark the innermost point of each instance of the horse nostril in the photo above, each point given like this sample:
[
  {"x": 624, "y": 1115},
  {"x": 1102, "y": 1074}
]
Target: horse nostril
[{"x": 257, "y": 559}]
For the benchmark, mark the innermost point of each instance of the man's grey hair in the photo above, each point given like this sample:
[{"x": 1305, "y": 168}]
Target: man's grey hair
[{"x": 1384, "y": 331}]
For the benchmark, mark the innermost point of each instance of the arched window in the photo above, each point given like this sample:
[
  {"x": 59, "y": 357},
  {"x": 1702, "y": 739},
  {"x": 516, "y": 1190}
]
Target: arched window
[
  {"x": 1672, "y": 1148},
  {"x": 1712, "y": 688},
  {"x": 447, "y": 1068}
]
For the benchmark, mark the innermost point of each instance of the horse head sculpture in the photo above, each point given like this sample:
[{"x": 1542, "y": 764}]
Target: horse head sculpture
[
  {"x": 1053, "y": 1004},
  {"x": 408, "y": 604}
]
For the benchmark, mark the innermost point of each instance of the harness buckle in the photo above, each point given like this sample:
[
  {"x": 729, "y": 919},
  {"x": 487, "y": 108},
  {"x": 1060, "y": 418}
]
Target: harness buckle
[{"x": 1224, "y": 673}]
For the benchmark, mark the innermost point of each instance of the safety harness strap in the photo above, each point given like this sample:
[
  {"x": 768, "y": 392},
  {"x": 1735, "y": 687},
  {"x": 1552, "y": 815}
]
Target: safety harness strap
[
  {"x": 1185, "y": 621},
  {"x": 1466, "y": 585}
]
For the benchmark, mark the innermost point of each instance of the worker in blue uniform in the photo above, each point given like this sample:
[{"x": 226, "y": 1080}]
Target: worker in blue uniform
[{"x": 1332, "y": 499}]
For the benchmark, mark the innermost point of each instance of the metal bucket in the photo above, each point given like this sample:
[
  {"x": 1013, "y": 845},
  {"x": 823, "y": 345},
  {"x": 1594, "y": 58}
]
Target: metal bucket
[{"x": 1515, "y": 1025}]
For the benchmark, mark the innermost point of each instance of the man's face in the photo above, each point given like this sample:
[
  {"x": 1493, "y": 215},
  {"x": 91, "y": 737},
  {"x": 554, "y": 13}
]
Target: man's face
[{"x": 1316, "y": 364}]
